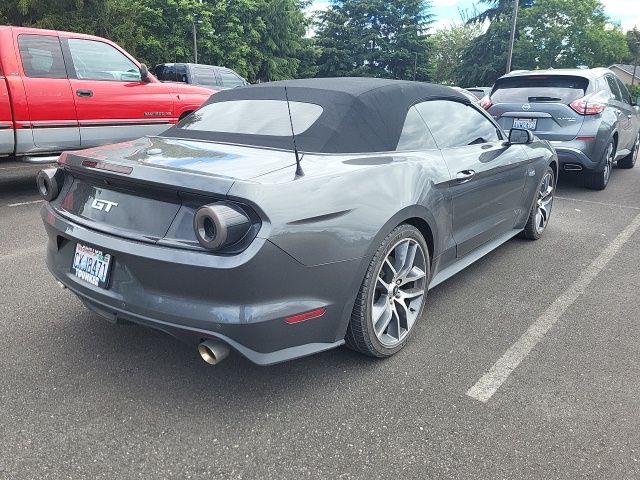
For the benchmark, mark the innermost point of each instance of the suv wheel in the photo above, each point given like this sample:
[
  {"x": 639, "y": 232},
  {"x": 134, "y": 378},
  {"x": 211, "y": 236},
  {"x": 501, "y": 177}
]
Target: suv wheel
[
  {"x": 392, "y": 295},
  {"x": 599, "y": 180},
  {"x": 630, "y": 160}
]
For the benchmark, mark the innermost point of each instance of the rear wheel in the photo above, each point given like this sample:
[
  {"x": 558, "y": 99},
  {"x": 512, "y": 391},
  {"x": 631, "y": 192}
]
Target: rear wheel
[
  {"x": 541, "y": 211},
  {"x": 630, "y": 160},
  {"x": 600, "y": 180},
  {"x": 392, "y": 295}
]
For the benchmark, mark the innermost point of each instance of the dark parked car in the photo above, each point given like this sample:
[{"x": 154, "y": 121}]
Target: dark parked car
[
  {"x": 229, "y": 231},
  {"x": 467, "y": 94},
  {"x": 212, "y": 76},
  {"x": 479, "y": 92},
  {"x": 587, "y": 115}
]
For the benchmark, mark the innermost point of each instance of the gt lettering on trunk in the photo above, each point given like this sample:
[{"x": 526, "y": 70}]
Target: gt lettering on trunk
[{"x": 103, "y": 205}]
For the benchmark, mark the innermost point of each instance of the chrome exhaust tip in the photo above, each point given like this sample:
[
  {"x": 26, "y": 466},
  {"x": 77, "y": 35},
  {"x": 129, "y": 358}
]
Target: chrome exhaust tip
[
  {"x": 213, "y": 351},
  {"x": 572, "y": 167}
]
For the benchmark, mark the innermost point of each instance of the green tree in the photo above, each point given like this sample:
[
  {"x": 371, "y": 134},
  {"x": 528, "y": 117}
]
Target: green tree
[
  {"x": 567, "y": 33},
  {"x": 261, "y": 39},
  {"x": 485, "y": 59},
  {"x": 374, "y": 38},
  {"x": 633, "y": 43},
  {"x": 448, "y": 46}
]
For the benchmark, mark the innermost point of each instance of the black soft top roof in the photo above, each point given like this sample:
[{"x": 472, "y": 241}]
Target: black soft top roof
[{"x": 359, "y": 114}]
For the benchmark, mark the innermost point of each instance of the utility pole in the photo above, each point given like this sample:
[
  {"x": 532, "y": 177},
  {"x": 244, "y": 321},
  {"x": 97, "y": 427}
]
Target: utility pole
[
  {"x": 635, "y": 65},
  {"x": 195, "y": 35},
  {"x": 195, "y": 41},
  {"x": 514, "y": 22},
  {"x": 415, "y": 66}
]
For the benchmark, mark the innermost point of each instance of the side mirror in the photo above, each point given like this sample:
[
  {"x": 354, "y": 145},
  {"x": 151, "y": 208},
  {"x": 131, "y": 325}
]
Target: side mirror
[
  {"x": 636, "y": 102},
  {"x": 520, "y": 136},
  {"x": 144, "y": 72}
]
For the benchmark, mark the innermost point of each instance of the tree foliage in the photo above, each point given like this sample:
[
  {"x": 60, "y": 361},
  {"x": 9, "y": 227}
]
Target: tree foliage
[
  {"x": 267, "y": 39},
  {"x": 566, "y": 34},
  {"x": 374, "y": 38},
  {"x": 633, "y": 44},
  {"x": 550, "y": 34},
  {"x": 448, "y": 47},
  {"x": 261, "y": 39}
]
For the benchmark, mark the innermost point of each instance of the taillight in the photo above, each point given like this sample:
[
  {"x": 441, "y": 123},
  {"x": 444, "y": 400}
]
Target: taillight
[
  {"x": 224, "y": 226},
  {"x": 50, "y": 183},
  {"x": 486, "y": 102},
  {"x": 587, "y": 106}
]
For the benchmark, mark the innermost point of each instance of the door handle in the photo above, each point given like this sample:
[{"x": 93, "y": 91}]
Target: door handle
[
  {"x": 465, "y": 176},
  {"x": 84, "y": 93}
]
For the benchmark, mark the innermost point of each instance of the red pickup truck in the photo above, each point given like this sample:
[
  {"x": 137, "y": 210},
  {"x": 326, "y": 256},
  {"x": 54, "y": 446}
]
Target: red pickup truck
[{"x": 63, "y": 91}]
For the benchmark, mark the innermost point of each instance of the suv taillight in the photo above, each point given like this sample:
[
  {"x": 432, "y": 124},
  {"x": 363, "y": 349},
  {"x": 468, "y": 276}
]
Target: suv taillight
[
  {"x": 587, "y": 106},
  {"x": 486, "y": 102}
]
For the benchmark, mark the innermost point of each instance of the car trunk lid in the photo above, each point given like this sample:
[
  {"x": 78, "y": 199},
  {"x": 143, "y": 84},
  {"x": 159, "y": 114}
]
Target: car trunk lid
[
  {"x": 540, "y": 103},
  {"x": 137, "y": 189}
]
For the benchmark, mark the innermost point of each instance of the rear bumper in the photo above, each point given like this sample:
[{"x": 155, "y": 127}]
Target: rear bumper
[
  {"x": 241, "y": 300},
  {"x": 577, "y": 155}
]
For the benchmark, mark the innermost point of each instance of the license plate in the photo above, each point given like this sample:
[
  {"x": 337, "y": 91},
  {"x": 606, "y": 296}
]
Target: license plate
[
  {"x": 91, "y": 265},
  {"x": 528, "y": 123}
]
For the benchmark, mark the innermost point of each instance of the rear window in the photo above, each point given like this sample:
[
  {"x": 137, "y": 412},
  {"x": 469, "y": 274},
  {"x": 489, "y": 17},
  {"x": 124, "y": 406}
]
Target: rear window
[
  {"x": 166, "y": 73},
  {"x": 41, "y": 56},
  {"x": 539, "y": 88},
  {"x": 253, "y": 117},
  {"x": 204, "y": 76}
]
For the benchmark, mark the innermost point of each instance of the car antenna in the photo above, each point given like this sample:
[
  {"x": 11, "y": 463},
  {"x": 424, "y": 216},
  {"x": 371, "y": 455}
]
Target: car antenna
[{"x": 299, "y": 172}]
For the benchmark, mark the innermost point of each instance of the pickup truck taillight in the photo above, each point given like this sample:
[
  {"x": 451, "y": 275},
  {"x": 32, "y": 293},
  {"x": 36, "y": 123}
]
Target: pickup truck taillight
[{"x": 486, "y": 102}]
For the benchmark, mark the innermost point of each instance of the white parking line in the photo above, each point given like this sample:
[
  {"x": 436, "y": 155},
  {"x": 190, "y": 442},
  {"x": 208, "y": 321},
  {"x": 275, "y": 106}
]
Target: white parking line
[
  {"x": 19, "y": 204},
  {"x": 604, "y": 204},
  {"x": 489, "y": 383}
]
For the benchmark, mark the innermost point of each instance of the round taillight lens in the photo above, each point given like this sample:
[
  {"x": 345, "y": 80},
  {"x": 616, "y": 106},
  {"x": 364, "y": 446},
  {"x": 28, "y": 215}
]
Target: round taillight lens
[
  {"x": 50, "y": 183},
  {"x": 220, "y": 225}
]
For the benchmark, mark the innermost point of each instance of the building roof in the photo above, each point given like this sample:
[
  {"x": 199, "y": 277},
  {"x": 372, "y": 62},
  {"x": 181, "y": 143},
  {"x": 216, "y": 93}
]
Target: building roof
[{"x": 627, "y": 69}]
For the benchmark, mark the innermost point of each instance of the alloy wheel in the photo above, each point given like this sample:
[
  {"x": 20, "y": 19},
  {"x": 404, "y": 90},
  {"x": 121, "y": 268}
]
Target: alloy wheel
[
  {"x": 399, "y": 292},
  {"x": 609, "y": 164},
  {"x": 544, "y": 202},
  {"x": 636, "y": 148}
]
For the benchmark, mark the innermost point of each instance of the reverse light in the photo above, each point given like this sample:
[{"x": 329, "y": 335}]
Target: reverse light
[
  {"x": 221, "y": 225},
  {"x": 486, "y": 102},
  {"x": 302, "y": 317}
]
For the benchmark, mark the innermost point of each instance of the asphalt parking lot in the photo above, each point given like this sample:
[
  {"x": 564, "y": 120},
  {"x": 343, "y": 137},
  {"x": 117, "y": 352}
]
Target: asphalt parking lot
[{"x": 555, "y": 323}]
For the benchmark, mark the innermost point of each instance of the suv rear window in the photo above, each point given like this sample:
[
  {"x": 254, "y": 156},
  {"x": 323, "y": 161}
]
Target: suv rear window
[{"x": 539, "y": 88}]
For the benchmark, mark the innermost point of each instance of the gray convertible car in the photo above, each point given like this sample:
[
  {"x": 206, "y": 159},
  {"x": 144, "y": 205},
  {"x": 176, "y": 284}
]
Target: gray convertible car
[{"x": 288, "y": 218}]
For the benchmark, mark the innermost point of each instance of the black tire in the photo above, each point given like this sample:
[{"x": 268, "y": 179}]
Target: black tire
[
  {"x": 360, "y": 332},
  {"x": 630, "y": 160},
  {"x": 184, "y": 115},
  {"x": 600, "y": 179},
  {"x": 531, "y": 230}
]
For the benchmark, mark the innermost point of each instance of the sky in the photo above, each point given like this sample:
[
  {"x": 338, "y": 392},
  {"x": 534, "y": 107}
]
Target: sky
[{"x": 626, "y": 12}]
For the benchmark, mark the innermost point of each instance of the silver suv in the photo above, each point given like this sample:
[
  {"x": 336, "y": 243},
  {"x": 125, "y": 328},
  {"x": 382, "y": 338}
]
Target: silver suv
[{"x": 587, "y": 115}]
